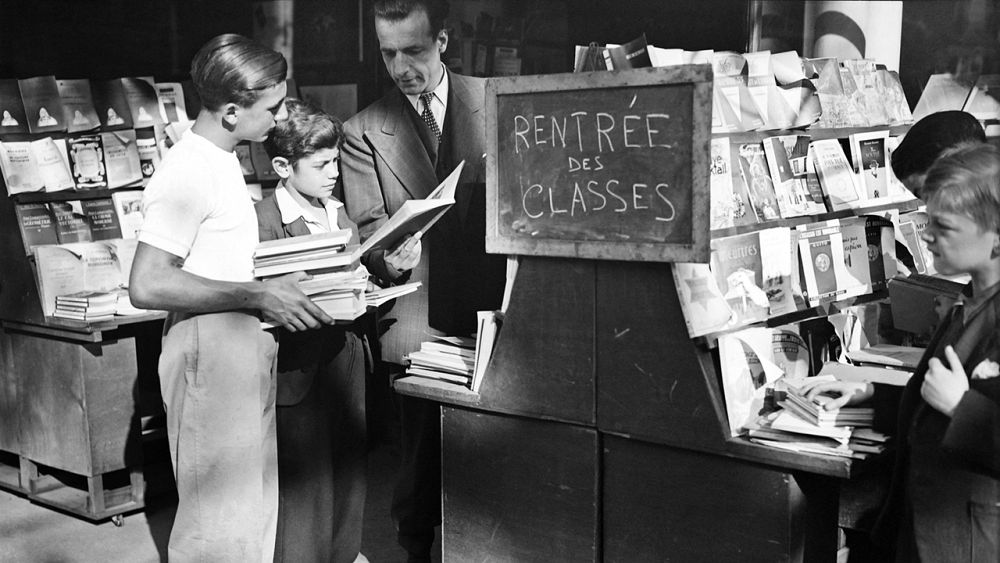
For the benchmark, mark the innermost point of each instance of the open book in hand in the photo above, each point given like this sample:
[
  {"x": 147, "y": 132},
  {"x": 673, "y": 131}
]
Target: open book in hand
[{"x": 416, "y": 215}]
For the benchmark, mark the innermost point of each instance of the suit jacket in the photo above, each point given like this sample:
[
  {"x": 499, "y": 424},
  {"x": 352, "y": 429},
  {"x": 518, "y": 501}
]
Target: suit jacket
[
  {"x": 946, "y": 479},
  {"x": 384, "y": 164},
  {"x": 304, "y": 355}
]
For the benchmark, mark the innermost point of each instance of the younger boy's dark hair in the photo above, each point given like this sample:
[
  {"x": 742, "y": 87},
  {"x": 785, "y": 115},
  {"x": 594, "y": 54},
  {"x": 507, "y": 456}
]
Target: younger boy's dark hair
[
  {"x": 395, "y": 10},
  {"x": 307, "y": 130},
  {"x": 230, "y": 68}
]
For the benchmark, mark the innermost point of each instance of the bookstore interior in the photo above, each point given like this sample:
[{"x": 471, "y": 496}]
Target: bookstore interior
[{"x": 700, "y": 216}]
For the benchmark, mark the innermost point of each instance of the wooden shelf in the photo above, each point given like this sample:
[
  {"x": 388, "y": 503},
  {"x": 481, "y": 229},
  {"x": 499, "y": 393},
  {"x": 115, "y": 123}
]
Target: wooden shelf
[
  {"x": 79, "y": 330},
  {"x": 792, "y": 222},
  {"x": 69, "y": 195}
]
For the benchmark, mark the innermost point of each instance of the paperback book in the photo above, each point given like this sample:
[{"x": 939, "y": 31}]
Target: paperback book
[
  {"x": 13, "y": 119},
  {"x": 835, "y": 174},
  {"x": 111, "y": 105},
  {"x": 42, "y": 104},
  {"x": 868, "y": 158},
  {"x": 86, "y": 157},
  {"x": 753, "y": 167},
  {"x": 102, "y": 218},
  {"x": 78, "y": 105},
  {"x": 786, "y": 162},
  {"x": 37, "y": 225},
  {"x": 128, "y": 208},
  {"x": 121, "y": 158},
  {"x": 20, "y": 171}
]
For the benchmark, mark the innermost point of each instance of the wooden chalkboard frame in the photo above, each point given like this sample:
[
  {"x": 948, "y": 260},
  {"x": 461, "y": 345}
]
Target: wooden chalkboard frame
[{"x": 697, "y": 250}]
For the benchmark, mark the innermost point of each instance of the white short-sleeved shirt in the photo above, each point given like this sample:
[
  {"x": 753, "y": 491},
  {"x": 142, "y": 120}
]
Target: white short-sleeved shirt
[{"x": 197, "y": 206}]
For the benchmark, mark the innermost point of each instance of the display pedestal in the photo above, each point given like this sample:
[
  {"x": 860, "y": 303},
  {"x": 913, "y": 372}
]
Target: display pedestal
[{"x": 600, "y": 434}]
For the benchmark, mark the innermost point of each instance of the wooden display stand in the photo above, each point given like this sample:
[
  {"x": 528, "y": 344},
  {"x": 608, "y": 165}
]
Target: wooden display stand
[
  {"x": 73, "y": 396},
  {"x": 600, "y": 434}
]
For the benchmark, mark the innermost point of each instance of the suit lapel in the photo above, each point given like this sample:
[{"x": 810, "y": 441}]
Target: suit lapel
[
  {"x": 297, "y": 228},
  {"x": 464, "y": 110},
  {"x": 398, "y": 144}
]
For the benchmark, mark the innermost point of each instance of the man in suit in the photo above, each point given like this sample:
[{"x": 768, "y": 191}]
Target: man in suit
[{"x": 400, "y": 148}]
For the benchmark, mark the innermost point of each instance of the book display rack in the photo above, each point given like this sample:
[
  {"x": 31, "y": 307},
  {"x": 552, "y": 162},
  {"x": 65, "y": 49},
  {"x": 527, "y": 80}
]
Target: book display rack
[
  {"x": 600, "y": 431},
  {"x": 79, "y": 400}
]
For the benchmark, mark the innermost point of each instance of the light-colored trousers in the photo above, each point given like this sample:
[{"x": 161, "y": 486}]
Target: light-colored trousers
[{"x": 217, "y": 378}]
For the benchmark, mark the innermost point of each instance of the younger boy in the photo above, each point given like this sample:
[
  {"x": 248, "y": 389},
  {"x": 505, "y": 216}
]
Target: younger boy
[{"x": 321, "y": 373}]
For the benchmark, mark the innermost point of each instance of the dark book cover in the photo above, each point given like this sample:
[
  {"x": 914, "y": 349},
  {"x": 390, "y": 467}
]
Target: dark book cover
[
  {"x": 42, "y": 104},
  {"x": 821, "y": 257},
  {"x": 78, "y": 105},
  {"x": 111, "y": 105},
  {"x": 145, "y": 106},
  {"x": 86, "y": 157},
  {"x": 149, "y": 153},
  {"x": 71, "y": 221},
  {"x": 103, "y": 219},
  {"x": 262, "y": 162},
  {"x": 13, "y": 119},
  {"x": 37, "y": 224},
  {"x": 634, "y": 54},
  {"x": 876, "y": 262}
]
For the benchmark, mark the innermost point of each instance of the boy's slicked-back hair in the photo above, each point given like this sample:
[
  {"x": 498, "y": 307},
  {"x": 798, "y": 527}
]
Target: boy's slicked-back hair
[
  {"x": 966, "y": 181},
  {"x": 395, "y": 10},
  {"x": 930, "y": 137},
  {"x": 307, "y": 130},
  {"x": 233, "y": 68}
]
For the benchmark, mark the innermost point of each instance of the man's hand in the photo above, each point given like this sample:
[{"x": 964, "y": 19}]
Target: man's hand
[
  {"x": 944, "y": 387},
  {"x": 283, "y": 303},
  {"x": 406, "y": 256},
  {"x": 848, "y": 392}
]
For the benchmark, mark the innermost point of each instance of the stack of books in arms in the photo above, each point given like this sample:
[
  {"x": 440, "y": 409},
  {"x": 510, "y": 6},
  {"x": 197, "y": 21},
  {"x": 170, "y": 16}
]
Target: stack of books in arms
[
  {"x": 87, "y": 306},
  {"x": 337, "y": 282}
]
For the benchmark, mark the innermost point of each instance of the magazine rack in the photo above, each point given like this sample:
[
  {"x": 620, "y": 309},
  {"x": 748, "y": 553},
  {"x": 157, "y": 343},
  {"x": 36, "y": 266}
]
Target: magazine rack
[{"x": 74, "y": 396}]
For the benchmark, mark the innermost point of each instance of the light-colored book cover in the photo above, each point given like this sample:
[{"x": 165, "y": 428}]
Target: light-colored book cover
[
  {"x": 835, "y": 174},
  {"x": 121, "y": 156},
  {"x": 128, "y": 207},
  {"x": 723, "y": 202},
  {"x": 789, "y": 176},
  {"x": 53, "y": 168},
  {"x": 748, "y": 371},
  {"x": 170, "y": 96},
  {"x": 753, "y": 166},
  {"x": 821, "y": 252},
  {"x": 20, "y": 171},
  {"x": 86, "y": 266}
]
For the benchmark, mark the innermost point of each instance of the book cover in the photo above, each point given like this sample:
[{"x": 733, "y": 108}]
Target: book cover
[
  {"x": 760, "y": 82},
  {"x": 332, "y": 240},
  {"x": 121, "y": 157},
  {"x": 149, "y": 152},
  {"x": 487, "y": 328},
  {"x": 743, "y": 213},
  {"x": 306, "y": 263},
  {"x": 78, "y": 105},
  {"x": 37, "y": 225},
  {"x": 748, "y": 373},
  {"x": 51, "y": 161},
  {"x": 821, "y": 252},
  {"x": 42, "y": 104},
  {"x": 705, "y": 308},
  {"x": 731, "y": 83},
  {"x": 20, "y": 171},
  {"x": 170, "y": 96},
  {"x": 777, "y": 263},
  {"x": 261, "y": 162},
  {"x": 857, "y": 257},
  {"x": 739, "y": 273},
  {"x": 912, "y": 226},
  {"x": 103, "y": 218},
  {"x": 790, "y": 186},
  {"x": 86, "y": 157},
  {"x": 634, "y": 54},
  {"x": 13, "y": 118},
  {"x": 835, "y": 174},
  {"x": 791, "y": 353},
  {"x": 242, "y": 151},
  {"x": 63, "y": 269},
  {"x": 753, "y": 166},
  {"x": 415, "y": 215},
  {"x": 723, "y": 201},
  {"x": 111, "y": 105},
  {"x": 881, "y": 251},
  {"x": 140, "y": 93},
  {"x": 71, "y": 221},
  {"x": 128, "y": 208},
  {"x": 868, "y": 158}
]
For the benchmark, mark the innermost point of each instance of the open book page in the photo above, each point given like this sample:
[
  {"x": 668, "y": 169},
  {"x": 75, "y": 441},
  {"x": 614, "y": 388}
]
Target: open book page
[
  {"x": 416, "y": 215},
  {"x": 486, "y": 334}
]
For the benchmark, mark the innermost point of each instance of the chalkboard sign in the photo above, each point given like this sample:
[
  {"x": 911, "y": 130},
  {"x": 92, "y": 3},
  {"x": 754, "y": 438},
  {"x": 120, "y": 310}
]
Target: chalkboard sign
[{"x": 608, "y": 165}]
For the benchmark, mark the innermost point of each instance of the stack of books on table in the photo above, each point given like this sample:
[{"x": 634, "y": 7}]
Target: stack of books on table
[
  {"x": 317, "y": 253},
  {"x": 451, "y": 359},
  {"x": 87, "y": 306},
  {"x": 457, "y": 359},
  {"x": 804, "y": 425}
]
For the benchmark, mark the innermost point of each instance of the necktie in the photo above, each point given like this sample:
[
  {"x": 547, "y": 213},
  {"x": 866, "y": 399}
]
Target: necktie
[{"x": 428, "y": 116}]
